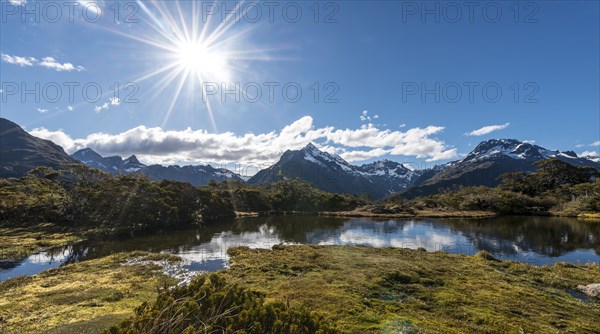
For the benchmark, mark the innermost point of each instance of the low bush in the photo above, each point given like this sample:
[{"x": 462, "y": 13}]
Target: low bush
[{"x": 211, "y": 305}]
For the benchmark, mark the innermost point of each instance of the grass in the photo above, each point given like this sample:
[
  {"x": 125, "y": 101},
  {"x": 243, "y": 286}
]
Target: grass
[
  {"x": 17, "y": 243},
  {"x": 416, "y": 214},
  {"x": 370, "y": 290},
  {"x": 86, "y": 297},
  {"x": 357, "y": 289},
  {"x": 593, "y": 216}
]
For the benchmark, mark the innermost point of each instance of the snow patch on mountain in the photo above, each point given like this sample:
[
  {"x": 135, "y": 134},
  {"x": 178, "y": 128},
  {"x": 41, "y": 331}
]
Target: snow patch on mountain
[{"x": 196, "y": 175}]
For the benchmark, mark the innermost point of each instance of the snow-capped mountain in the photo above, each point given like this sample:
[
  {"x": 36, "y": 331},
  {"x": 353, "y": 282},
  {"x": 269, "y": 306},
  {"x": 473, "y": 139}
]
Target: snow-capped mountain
[
  {"x": 196, "y": 175},
  {"x": 132, "y": 164},
  {"x": 331, "y": 173},
  {"x": 395, "y": 174},
  {"x": 594, "y": 158},
  {"x": 487, "y": 162},
  {"x": 512, "y": 148},
  {"x": 21, "y": 152},
  {"x": 113, "y": 165}
]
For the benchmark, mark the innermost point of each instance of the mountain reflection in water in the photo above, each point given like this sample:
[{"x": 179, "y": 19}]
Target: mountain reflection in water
[{"x": 534, "y": 240}]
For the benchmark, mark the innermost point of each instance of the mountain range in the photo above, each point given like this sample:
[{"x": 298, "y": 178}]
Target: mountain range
[
  {"x": 196, "y": 175},
  {"x": 333, "y": 174},
  {"x": 21, "y": 152},
  {"x": 487, "y": 162}
]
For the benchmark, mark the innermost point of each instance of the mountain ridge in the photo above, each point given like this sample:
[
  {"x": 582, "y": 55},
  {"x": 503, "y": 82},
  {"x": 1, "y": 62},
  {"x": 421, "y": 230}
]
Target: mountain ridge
[
  {"x": 21, "y": 152},
  {"x": 483, "y": 166},
  {"x": 332, "y": 173},
  {"x": 486, "y": 163},
  {"x": 196, "y": 175}
]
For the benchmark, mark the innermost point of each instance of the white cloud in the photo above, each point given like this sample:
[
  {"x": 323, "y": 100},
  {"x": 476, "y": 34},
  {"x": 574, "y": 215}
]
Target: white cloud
[
  {"x": 487, "y": 129},
  {"x": 113, "y": 101},
  {"x": 364, "y": 155},
  {"x": 40, "y": 110},
  {"x": 58, "y": 137},
  {"x": 589, "y": 154},
  {"x": 47, "y": 62},
  {"x": 364, "y": 116},
  {"x": 16, "y": 60},
  {"x": 70, "y": 108},
  {"x": 51, "y": 63},
  {"x": 101, "y": 107},
  {"x": 156, "y": 145},
  {"x": 596, "y": 143},
  {"x": 17, "y": 2}
]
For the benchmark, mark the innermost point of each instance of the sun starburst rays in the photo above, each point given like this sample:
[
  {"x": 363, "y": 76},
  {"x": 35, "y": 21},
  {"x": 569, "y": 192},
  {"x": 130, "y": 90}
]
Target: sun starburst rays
[{"x": 188, "y": 51}]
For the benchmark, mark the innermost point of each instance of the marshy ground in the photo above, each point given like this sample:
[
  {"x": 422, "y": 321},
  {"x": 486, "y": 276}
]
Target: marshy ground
[{"x": 357, "y": 289}]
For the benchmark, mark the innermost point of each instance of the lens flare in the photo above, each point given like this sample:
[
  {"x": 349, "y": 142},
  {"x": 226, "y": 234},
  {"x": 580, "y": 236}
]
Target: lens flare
[{"x": 191, "y": 52}]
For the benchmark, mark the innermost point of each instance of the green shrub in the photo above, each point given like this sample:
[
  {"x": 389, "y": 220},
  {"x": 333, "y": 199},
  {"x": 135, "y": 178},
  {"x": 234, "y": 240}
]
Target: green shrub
[{"x": 211, "y": 305}]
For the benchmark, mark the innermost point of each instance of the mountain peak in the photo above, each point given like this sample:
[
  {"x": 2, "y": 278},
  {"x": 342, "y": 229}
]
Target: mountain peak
[
  {"x": 22, "y": 152},
  {"x": 132, "y": 160},
  {"x": 11, "y": 130},
  {"x": 310, "y": 147},
  {"x": 86, "y": 152},
  {"x": 501, "y": 141},
  {"x": 330, "y": 172},
  {"x": 196, "y": 175},
  {"x": 512, "y": 148},
  {"x": 7, "y": 125}
]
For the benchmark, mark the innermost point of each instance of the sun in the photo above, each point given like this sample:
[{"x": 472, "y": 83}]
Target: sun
[
  {"x": 202, "y": 61},
  {"x": 189, "y": 53}
]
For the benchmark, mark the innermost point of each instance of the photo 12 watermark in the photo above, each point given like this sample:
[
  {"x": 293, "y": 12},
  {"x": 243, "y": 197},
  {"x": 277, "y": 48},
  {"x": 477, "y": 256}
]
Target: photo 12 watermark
[
  {"x": 271, "y": 11},
  {"x": 69, "y": 11},
  {"x": 469, "y": 91},
  {"x": 270, "y": 92},
  {"x": 469, "y": 11},
  {"x": 128, "y": 12},
  {"x": 69, "y": 91}
]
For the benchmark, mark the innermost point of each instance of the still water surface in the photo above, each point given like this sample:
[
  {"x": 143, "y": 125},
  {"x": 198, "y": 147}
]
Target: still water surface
[{"x": 534, "y": 240}]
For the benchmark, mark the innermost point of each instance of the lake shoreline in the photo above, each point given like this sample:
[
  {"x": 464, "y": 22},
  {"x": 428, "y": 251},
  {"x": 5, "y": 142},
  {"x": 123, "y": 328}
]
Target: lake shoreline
[
  {"x": 434, "y": 292},
  {"x": 417, "y": 214},
  {"x": 19, "y": 242},
  {"x": 357, "y": 289},
  {"x": 84, "y": 297}
]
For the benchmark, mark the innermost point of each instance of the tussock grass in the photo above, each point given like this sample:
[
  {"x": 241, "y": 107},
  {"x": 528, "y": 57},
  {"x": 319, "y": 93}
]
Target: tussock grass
[
  {"x": 369, "y": 290},
  {"x": 354, "y": 289},
  {"x": 86, "y": 297},
  {"x": 17, "y": 243}
]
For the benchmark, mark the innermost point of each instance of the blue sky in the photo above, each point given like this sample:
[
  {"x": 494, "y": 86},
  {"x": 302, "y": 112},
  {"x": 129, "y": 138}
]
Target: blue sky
[{"x": 369, "y": 59}]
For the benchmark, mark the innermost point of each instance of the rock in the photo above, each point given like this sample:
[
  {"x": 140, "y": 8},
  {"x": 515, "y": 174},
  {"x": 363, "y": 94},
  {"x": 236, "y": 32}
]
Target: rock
[{"x": 592, "y": 290}]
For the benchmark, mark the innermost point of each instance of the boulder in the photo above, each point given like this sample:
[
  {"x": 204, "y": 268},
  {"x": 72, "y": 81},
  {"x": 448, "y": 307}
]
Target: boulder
[{"x": 592, "y": 290}]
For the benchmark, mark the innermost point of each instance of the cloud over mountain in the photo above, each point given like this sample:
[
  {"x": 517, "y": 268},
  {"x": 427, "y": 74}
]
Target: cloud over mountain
[
  {"x": 162, "y": 146},
  {"x": 487, "y": 129}
]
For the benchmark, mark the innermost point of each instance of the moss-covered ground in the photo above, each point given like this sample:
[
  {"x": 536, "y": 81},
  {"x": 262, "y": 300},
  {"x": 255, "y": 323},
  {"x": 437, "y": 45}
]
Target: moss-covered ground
[
  {"x": 356, "y": 289},
  {"x": 364, "y": 290},
  {"x": 17, "y": 242},
  {"x": 86, "y": 297}
]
